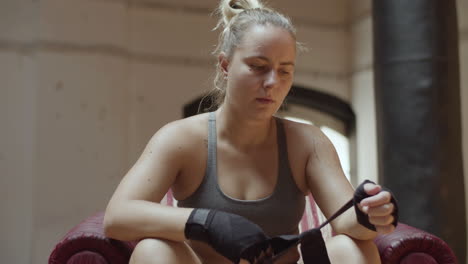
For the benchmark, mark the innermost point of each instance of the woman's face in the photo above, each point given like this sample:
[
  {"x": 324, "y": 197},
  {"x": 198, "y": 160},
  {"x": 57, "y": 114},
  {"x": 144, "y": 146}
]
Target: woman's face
[{"x": 261, "y": 70}]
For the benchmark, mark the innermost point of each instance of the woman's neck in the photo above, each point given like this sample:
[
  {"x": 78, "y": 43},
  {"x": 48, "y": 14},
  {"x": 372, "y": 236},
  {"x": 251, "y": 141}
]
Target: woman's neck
[{"x": 243, "y": 131}]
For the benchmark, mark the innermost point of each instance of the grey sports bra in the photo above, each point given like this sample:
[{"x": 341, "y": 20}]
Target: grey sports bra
[{"x": 277, "y": 214}]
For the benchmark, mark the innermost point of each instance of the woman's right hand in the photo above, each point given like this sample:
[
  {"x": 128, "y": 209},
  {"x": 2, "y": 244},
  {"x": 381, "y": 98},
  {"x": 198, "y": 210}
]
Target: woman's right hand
[{"x": 228, "y": 234}]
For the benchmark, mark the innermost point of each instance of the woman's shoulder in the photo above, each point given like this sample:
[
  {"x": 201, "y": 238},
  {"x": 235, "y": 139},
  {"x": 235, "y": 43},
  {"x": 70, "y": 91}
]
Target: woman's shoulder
[
  {"x": 304, "y": 135},
  {"x": 182, "y": 134},
  {"x": 300, "y": 129},
  {"x": 189, "y": 126},
  {"x": 186, "y": 128}
]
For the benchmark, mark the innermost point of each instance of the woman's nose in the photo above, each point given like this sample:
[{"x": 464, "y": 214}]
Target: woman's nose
[{"x": 271, "y": 79}]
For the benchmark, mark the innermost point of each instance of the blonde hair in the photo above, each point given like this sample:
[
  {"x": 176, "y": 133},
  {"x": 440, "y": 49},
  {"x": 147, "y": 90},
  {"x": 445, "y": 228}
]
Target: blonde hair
[{"x": 237, "y": 16}]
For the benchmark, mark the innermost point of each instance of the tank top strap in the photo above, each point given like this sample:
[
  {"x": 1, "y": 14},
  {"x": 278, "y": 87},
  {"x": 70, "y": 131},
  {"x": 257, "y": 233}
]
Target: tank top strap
[
  {"x": 284, "y": 172},
  {"x": 281, "y": 137},
  {"x": 211, "y": 160}
]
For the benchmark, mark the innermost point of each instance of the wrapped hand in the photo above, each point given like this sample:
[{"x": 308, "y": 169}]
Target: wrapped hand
[
  {"x": 377, "y": 208},
  {"x": 229, "y": 234}
]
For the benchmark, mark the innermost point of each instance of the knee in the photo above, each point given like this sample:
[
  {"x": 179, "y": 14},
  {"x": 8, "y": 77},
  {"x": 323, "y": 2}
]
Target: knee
[
  {"x": 149, "y": 250},
  {"x": 151, "y": 245},
  {"x": 369, "y": 250},
  {"x": 342, "y": 248}
]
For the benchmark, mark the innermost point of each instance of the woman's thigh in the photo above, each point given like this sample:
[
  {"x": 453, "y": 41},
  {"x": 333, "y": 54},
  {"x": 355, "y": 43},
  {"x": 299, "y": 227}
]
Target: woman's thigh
[
  {"x": 343, "y": 249},
  {"x": 155, "y": 251}
]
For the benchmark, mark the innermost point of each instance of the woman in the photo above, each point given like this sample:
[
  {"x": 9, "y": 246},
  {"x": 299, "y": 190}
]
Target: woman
[{"x": 243, "y": 160}]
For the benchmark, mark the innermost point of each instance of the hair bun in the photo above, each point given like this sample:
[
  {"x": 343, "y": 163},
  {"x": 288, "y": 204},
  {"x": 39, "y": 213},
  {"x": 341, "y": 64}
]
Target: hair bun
[
  {"x": 244, "y": 4},
  {"x": 230, "y": 8}
]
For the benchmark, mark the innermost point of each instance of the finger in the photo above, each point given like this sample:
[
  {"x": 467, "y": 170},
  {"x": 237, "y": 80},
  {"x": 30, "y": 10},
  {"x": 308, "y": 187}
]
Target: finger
[
  {"x": 244, "y": 261},
  {"x": 381, "y": 220},
  {"x": 381, "y": 198},
  {"x": 372, "y": 189},
  {"x": 382, "y": 210},
  {"x": 385, "y": 229}
]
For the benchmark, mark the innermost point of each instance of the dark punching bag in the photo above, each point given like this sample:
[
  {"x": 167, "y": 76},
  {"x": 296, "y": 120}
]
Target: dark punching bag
[{"x": 417, "y": 89}]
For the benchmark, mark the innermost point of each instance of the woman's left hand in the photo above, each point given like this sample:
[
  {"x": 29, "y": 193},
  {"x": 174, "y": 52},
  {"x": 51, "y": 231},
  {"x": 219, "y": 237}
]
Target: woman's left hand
[{"x": 379, "y": 208}]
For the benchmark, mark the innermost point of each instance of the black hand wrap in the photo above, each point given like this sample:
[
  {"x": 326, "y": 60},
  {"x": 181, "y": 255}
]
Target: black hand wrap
[
  {"x": 363, "y": 218},
  {"x": 229, "y": 234}
]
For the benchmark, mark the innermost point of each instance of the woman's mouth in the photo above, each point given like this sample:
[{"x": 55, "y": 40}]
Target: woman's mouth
[{"x": 264, "y": 100}]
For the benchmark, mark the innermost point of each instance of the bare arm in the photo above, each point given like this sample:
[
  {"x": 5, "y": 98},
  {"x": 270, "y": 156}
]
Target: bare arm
[
  {"x": 328, "y": 184},
  {"x": 134, "y": 211}
]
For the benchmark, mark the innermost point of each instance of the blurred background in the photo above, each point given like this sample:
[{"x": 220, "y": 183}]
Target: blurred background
[{"x": 84, "y": 84}]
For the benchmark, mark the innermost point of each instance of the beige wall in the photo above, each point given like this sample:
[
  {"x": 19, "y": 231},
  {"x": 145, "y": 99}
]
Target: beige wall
[
  {"x": 362, "y": 89},
  {"x": 18, "y": 73},
  {"x": 17, "y": 159}
]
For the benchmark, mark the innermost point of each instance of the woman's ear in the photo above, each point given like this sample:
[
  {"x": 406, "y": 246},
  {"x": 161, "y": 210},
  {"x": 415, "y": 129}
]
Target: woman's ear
[{"x": 223, "y": 63}]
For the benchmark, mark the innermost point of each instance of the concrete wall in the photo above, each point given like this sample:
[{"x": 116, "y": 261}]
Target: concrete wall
[
  {"x": 84, "y": 85},
  {"x": 18, "y": 74},
  {"x": 362, "y": 89}
]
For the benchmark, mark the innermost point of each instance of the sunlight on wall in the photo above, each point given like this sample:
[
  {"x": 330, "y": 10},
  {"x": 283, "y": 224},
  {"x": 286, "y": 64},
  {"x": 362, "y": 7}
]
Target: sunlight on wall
[{"x": 341, "y": 144}]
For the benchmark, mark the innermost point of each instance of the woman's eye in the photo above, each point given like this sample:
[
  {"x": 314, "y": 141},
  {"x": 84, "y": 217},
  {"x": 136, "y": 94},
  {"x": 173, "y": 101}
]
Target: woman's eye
[
  {"x": 257, "y": 67},
  {"x": 285, "y": 72}
]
